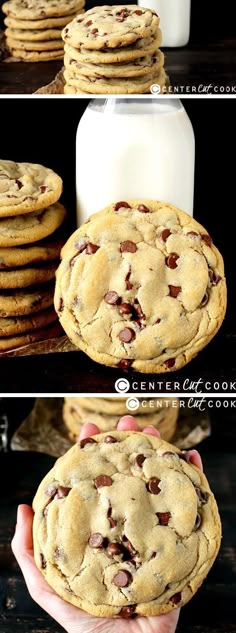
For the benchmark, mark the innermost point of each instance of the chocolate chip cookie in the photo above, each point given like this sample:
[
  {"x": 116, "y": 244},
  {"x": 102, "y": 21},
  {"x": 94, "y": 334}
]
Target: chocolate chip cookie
[
  {"x": 76, "y": 413},
  {"x": 35, "y": 10},
  {"x": 44, "y": 23},
  {"x": 142, "y": 66},
  {"x": 36, "y": 56},
  {"x": 24, "y": 277},
  {"x": 110, "y": 27},
  {"x": 27, "y": 187},
  {"x": 10, "y": 343},
  {"x": 30, "y": 301},
  {"x": 49, "y": 45},
  {"x": 107, "y": 85},
  {"x": 141, "y": 48},
  {"x": 20, "y": 325},
  {"x": 32, "y": 254},
  {"x": 124, "y": 526},
  {"x": 127, "y": 292},
  {"x": 31, "y": 227}
]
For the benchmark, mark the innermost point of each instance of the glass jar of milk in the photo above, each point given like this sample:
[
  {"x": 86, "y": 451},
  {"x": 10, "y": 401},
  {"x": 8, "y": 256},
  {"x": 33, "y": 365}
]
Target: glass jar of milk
[
  {"x": 174, "y": 19},
  {"x": 134, "y": 148}
]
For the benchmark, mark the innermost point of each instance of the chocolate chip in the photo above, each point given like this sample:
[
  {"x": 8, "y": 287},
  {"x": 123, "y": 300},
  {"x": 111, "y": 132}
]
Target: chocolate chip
[
  {"x": 94, "y": 31},
  {"x": 113, "y": 549},
  {"x": 120, "y": 205},
  {"x": 111, "y": 297},
  {"x": 203, "y": 496},
  {"x": 127, "y": 335},
  {"x": 91, "y": 248},
  {"x": 128, "y": 546},
  {"x": 138, "y": 13},
  {"x": 88, "y": 23},
  {"x": 125, "y": 308},
  {"x": 43, "y": 562},
  {"x": 19, "y": 184},
  {"x": 138, "y": 310},
  {"x": 142, "y": 208},
  {"x": 125, "y": 364},
  {"x": 169, "y": 363},
  {"x": 176, "y": 598},
  {"x": 192, "y": 233},
  {"x": 205, "y": 300},
  {"x": 164, "y": 517},
  {"x": 158, "y": 321},
  {"x": 43, "y": 188},
  {"x": 87, "y": 440},
  {"x": 206, "y": 238},
  {"x": 174, "y": 291},
  {"x": 198, "y": 521},
  {"x": 129, "y": 286},
  {"x": 153, "y": 555},
  {"x": 123, "y": 578},
  {"x": 153, "y": 486},
  {"x": 139, "y": 459},
  {"x": 62, "y": 491},
  {"x": 109, "y": 439},
  {"x": 96, "y": 540},
  {"x": 171, "y": 260},
  {"x": 128, "y": 247},
  {"x": 214, "y": 279},
  {"x": 165, "y": 234},
  {"x": 61, "y": 305},
  {"x": 102, "y": 480},
  {"x": 128, "y": 612},
  {"x": 112, "y": 521}
]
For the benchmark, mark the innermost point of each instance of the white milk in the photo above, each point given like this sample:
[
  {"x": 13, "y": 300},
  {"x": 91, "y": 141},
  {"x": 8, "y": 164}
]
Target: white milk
[
  {"x": 131, "y": 148},
  {"x": 174, "y": 19}
]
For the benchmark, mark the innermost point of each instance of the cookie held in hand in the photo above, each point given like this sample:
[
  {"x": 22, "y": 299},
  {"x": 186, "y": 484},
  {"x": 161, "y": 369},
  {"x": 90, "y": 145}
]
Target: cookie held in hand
[{"x": 125, "y": 516}]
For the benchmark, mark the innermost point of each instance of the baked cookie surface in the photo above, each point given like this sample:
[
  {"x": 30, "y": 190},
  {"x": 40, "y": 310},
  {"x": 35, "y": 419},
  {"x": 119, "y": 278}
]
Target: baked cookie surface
[
  {"x": 124, "y": 526},
  {"x": 27, "y": 187},
  {"x": 110, "y": 27},
  {"x": 141, "y": 286}
]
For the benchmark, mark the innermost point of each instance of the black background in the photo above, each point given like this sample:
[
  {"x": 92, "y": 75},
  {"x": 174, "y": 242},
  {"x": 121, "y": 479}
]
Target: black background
[{"x": 210, "y": 19}]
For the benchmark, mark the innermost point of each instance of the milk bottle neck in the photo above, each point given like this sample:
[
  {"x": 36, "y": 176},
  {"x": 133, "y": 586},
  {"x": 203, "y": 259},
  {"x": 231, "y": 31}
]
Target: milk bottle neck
[{"x": 147, "y": 106}]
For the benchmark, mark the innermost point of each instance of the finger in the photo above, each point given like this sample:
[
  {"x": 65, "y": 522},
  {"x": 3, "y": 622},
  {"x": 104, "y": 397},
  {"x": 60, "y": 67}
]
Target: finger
[
  {"x": 23, "y": 533},
  {"x": 150, "y": 430},
  {"x": 38, "y": 588},
  {"x": 127, "y": 423},
  {"x": 193, "y": 457},
  {"x": 88, "y": 430}
]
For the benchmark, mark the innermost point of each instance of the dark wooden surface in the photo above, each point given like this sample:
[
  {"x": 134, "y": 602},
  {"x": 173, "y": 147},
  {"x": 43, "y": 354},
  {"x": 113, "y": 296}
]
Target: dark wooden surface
[
  {"x": 212, "y": 610},
  {"x": 197, "y": 65},
  {"x": 75, "y": 372}
]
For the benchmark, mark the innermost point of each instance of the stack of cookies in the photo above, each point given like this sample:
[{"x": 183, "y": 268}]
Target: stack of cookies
[
  {"x": 162, "y": 413},
  {"x": 34, "y": 28},
  {"x": 114, "y": 50},
  {"x": 30, "y": 245}
]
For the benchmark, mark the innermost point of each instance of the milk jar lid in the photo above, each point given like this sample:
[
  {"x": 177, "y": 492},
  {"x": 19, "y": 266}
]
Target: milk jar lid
[{"x": 149, "y": 105}]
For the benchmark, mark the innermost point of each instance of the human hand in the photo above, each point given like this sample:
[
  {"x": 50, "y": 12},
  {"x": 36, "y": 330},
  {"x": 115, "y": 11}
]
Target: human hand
[{"x": 72, "y": 619}]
